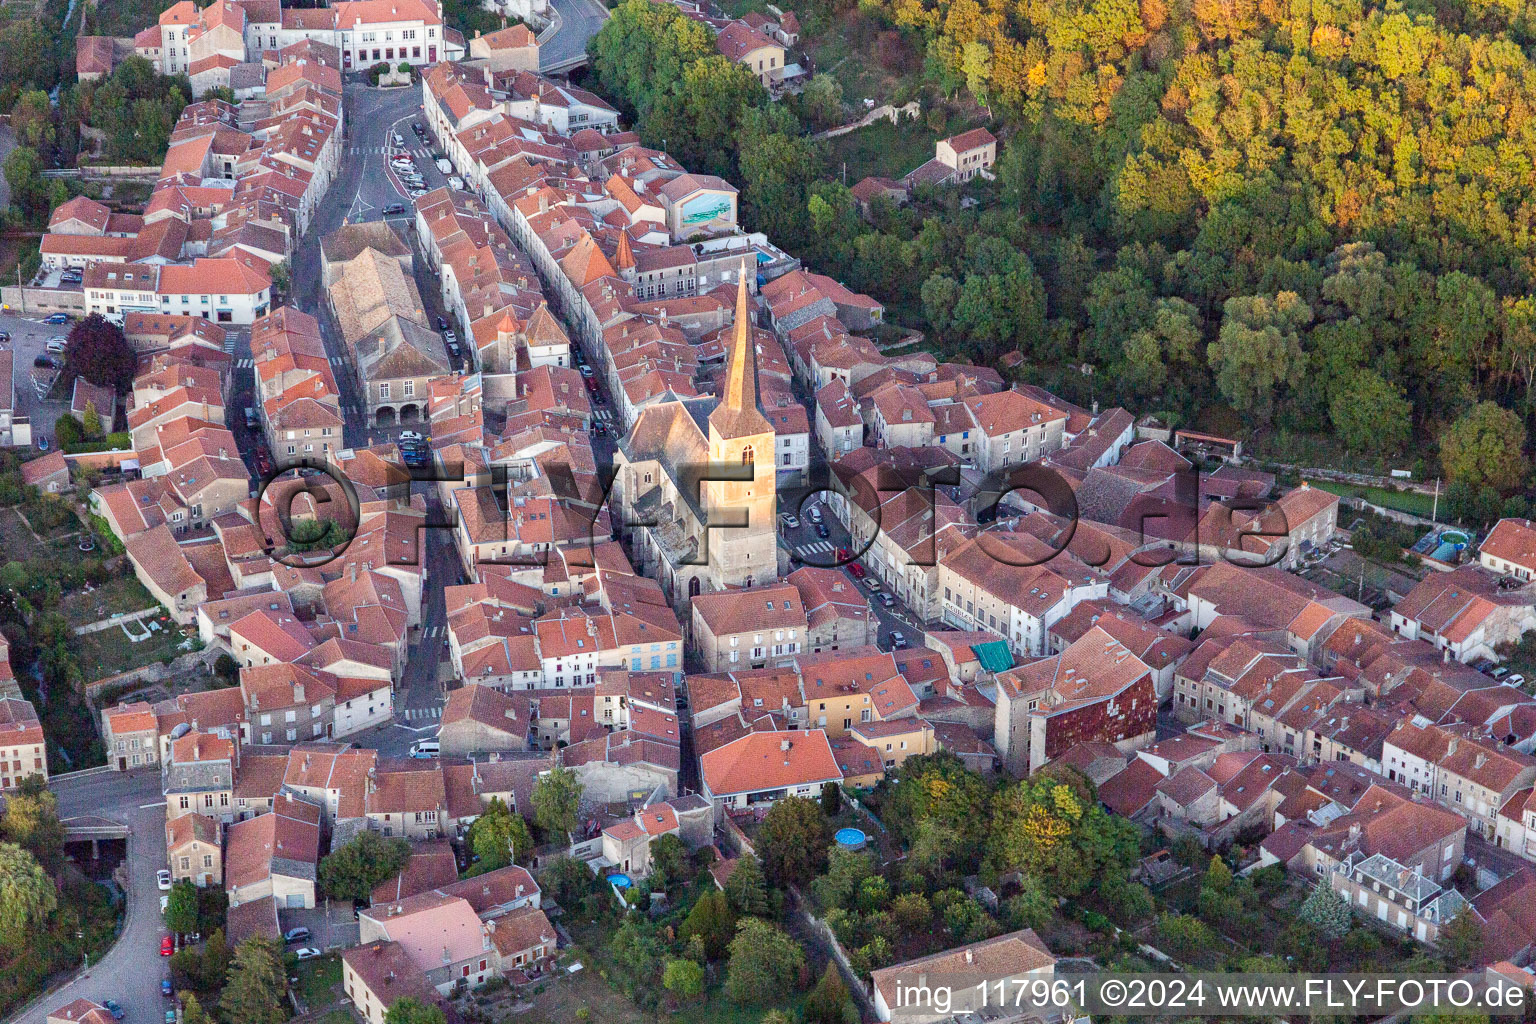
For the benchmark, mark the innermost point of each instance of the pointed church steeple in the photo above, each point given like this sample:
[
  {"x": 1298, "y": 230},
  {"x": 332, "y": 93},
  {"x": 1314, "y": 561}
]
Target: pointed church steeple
[
  {"x": 737, "y": 414},
  {"x": 624, "y": 259}
]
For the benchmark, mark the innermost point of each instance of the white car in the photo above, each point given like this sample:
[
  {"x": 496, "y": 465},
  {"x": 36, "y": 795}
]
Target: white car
[
  {"x": 163, "y": 877},
  {"x": 410, "y": 435},
  {"x": 306, "y": 952}
]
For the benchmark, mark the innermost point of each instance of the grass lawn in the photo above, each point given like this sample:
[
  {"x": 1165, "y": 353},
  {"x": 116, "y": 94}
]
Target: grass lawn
[
  {"x": 319, "y": 981},
  {"x": 881, "y": 149},
  {"x": 19, "y": 544},
  {"x": 108, "y": 652},
  {"x": 1411, "y": 502},
  {"x": 117, "y": 595}
]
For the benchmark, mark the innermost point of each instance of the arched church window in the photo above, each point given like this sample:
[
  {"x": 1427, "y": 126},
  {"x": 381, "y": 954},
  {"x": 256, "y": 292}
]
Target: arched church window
[{"x": 746, "y": 456}]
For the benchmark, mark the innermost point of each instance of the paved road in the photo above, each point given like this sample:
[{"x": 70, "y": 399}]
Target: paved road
[
  {"x": 131, "y": 970},
  {"x": 579, "y": 21}
]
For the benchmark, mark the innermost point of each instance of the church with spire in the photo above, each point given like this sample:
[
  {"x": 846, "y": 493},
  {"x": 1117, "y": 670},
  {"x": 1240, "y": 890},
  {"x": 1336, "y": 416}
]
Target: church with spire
[{"x": 695, "y": 486}]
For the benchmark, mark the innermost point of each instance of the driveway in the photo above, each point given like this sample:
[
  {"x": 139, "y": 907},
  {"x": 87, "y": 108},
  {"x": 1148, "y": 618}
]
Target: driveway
[
  {"x": 330, "y": 923},
  {"x": 131, "y": 970}
]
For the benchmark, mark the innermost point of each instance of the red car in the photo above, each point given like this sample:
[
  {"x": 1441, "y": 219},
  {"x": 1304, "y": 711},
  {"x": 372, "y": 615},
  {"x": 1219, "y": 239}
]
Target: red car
[
  {"x": 856, "y": 569},
  {"x": 167, "y": 945}
]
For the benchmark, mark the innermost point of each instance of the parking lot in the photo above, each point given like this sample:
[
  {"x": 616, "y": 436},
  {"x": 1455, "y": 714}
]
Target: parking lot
[{"x": 29, "y": 341}]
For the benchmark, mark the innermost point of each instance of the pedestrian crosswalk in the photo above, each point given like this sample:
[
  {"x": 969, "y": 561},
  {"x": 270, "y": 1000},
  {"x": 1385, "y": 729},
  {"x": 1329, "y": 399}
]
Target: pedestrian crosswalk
[
  {"x": 820, "y": 547},
  {"x": 424, "y": 152},
  {"x": 417, "y": 714},
  {"x": 245, "y": 364},
  {"x": 229, "y": 346},
  {"x": 434, "y": 631},
  {"x": 603, "y": 414}
]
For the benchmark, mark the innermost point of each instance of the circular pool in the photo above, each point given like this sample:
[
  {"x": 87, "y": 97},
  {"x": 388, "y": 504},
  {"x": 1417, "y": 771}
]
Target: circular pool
[
  {"x": 620, "y": 881},
  {"x": 851, "y": 838}
]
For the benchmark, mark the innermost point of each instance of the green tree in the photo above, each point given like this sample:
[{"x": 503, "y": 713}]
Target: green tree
[
  {"x": 1326, "y": 911},
  {"x": 192, "y": 1011},
  {"x": 1258, "y": 353},
  {"x": 764, "y": 963},
  {"x": 643, "y": 50},
  {"x": 90, "y": 422},
  {"x": 410, "y": 1010},
  {"x": 499, "y": 836},
  {"x": 1183, "y": 936},
  {"x": 1371, "y": 416},
  {"x": 713, "y": 921},
  {"x": 31, "y": 193},
  {"x": 793, "y": 839},
  {"x": 831, "y": 799},
  {"x": 32, "y": 822},
  {"x": 1031, "y": 906},
  {"x": 27, "y": 895},
  {"x": 257, "y": 990},
  {"x": 32, "y": 120},
  {"x": 556, "y": 801},
  {"x": 1485, "y": 447},
  {"x": 1051, "y": 831},
  {"x": 352, "y": 872},
  {"x": 1462, "y": 939},
  {"x": 822, "y": 100},
  {"x": 669, "y": 858},
  {"x": 683, "y": 978},
  {"x": 746, "y": 888},
  {"x": 181, "y": 908},
  {"x": 829, "y": 1002}
]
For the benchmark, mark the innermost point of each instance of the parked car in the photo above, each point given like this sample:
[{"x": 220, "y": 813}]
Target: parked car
[
  {"x": 56, "y": 318},
  {"x": 5, "y": 337},
  {"x": 453, "y": 347},
  {"x": 790, "y": 520},
  {"x": 871, "y": 584},
  {"x": 112, "y": 1008},
  {"x": 417, "y": 128},
  {"x": 887, "y": 601},
  {"x": 898, "y": 641},
  {"x": 856, "y": 570},
  {"x": 306, "y": 952},
  {"x": 814, "y": 514},
  {"x": 44, "y": 363},
  {"x": 166, "y": 989},
  {"x": 587, "y": 371},
  {"x": 163, "y": 877},
  {"x": 57, "y": 345},
  {"x": 1500, "y": 672},
  {"x": 399, "y": 140},
  {"x": 410, "y": 435},
  {"x": 425, "y": 748},
  {"x": 170, "y": 1017},
  {"x": 394, "y": 209},
  {"x": 417, "y": 193},
  {"x": 442, "y": 323},
  {"x": 822, "y": 531},
  {"x": 298, "y": 934},
  {"x": 450, "y": 336},
  {"x": 1515, "y": 680},
  {"x": 167, "y": 945},
  {"x": 42, "y": 442}
]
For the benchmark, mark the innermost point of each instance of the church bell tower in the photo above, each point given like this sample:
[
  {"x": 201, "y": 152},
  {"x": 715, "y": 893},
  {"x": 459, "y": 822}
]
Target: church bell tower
[{"x": 740, "y": 436}]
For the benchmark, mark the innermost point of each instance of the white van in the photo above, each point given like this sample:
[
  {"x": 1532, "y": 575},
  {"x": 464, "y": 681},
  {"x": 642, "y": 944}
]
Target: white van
[{"x": 425, "y": 748}]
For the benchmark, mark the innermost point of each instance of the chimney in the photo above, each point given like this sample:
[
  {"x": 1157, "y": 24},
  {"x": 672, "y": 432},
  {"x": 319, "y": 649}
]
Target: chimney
[{"x": 784, "y": 744}]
